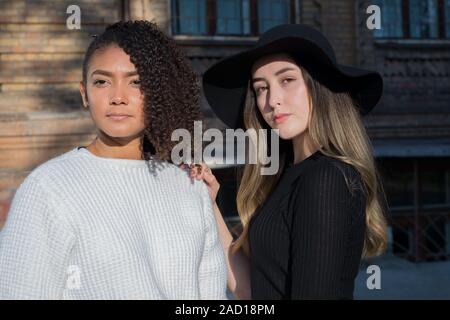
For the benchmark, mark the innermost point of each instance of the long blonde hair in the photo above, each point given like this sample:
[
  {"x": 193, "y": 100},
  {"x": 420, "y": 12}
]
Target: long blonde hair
[{"x": 335, "y": 124}]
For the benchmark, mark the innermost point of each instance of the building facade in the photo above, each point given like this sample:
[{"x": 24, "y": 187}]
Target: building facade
[{"x": 41, "y": 114}]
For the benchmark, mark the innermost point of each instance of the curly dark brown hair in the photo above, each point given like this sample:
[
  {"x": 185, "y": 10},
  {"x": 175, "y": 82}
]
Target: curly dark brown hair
[{"x": 170, "y": 86}]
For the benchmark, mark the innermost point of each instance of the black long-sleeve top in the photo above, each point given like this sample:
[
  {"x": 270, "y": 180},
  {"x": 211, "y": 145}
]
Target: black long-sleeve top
[{"x": 306, "y": 240}]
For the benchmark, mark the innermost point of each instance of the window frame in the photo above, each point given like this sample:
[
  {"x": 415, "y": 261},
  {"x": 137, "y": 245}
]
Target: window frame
[
  {"x": 211, "y": 19},
  {"x": 417, "y": 167},
  {"x": 406, "y": 26}
]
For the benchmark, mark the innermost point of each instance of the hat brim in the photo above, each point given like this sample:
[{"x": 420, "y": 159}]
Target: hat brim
[{"x": 225, "y": 83}]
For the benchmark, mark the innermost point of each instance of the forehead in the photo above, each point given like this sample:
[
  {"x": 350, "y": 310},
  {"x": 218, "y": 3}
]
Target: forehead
[
  {"x": 273, "y": 63},
  {"x": 111, "y": 58}
]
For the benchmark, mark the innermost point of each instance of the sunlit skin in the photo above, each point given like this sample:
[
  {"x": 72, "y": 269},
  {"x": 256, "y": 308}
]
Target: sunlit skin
[
  {"x": 112, "y": 94},
  {"x": 282, "y": 98}
]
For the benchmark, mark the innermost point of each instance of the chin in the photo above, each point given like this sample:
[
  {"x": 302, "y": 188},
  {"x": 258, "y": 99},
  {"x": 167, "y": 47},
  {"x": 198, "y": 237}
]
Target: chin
[
  {"x": 289, "y": 134},
  {"x": 121, "y": 134},
  {"x": 286, "y": 136}
]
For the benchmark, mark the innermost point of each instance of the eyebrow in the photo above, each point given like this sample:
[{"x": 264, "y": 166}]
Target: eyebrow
[
  {"x": 110, "y": 74},
  {"x": 276, "y": 73}
]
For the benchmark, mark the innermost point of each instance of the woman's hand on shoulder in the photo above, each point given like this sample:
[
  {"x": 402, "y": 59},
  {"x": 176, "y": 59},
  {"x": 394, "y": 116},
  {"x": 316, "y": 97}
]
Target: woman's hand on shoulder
[{"x": 203, "y": 172}]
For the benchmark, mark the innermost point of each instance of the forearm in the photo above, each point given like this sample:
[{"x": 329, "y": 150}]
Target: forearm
[{"x": 238, "y": 265}]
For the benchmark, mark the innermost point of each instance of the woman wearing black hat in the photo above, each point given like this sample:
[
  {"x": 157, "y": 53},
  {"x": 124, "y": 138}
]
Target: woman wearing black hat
[{"x": 306, "y": 228}]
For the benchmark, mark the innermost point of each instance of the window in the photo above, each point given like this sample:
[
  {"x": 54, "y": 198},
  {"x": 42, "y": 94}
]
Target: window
[
  {"x": 435, "y": 187},
  {"x": 398, "y": 182},
  {"x": 432, "y": 182},
  {"x": 230, "y": 17},
  {"x": 418, "y": 193},
  {"x": 423, "y": 21},
  {"x": 233, "y": 17},
  {"x": 272, "y": 13},
  {"x": 391, "y": 22},
  {"x": 414, "y": 19},
  {"x": 447, "y": 18},
  {"x": 191, "y": 16}
]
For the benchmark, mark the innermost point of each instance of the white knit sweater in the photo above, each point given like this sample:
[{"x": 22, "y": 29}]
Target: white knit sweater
[{"x": 86, "y": 227}]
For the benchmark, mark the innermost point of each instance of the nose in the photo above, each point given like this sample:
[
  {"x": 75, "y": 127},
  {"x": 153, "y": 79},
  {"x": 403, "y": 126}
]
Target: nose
[
  {"x": 274, "y": 98},
  {"x": 118, "y": 96}
]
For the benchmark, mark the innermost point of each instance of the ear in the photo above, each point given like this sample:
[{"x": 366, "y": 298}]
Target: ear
[{"x": 83, "y": 94}]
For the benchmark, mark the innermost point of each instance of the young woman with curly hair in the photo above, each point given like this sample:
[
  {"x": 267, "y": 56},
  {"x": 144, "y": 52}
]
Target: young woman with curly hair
[{"x": 117, "y": 219}]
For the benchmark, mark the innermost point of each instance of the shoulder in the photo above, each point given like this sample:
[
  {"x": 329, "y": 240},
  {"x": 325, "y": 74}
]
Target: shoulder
[
  {"x": 328, "y": 188},
  {"x": 327, "y": 174},
  {"x": 181, "y": 181},
  {"x": 42, "y": 179},
  {"x": 39, "y": 191},
  {"x": 191, "y": 193},
  {"x": 49, "y": 180},
  {"x": 54, "y": 167}
]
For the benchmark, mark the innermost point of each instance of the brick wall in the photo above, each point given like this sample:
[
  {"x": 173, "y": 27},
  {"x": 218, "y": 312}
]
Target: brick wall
[
  {"x": 40, "y": 67},
  {"x": 336, "y": 19}
]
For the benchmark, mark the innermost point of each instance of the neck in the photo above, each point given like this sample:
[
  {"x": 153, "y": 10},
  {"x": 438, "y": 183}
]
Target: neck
[
  {"x": 120, "y": 148},
  {"x": 303, "y": 147}
]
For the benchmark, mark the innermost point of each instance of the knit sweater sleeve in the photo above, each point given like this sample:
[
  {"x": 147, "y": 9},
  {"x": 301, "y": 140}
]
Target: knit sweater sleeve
[
  {"x": 35, "y": 244},
  {"x": 321, "y": 223},
  {"x": 212, "y": 271}
]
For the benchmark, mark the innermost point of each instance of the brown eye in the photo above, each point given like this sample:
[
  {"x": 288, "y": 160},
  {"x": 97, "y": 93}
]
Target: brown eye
[
  {"x": 260, "y": 89},
  {"x": 98, "y": 82},
  {"x": 136, "y": 82},
  {"x": 287, "y": 80}
]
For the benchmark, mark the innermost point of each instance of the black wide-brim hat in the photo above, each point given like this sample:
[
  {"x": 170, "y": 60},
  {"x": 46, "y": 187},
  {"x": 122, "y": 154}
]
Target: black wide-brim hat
[{"x": 225, "y": 83}]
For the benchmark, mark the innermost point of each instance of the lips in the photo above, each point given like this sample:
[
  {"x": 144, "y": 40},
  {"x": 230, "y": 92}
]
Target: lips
[
  {"x": 118, "y": 116},
  {"x": 281, "y": 117}
]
